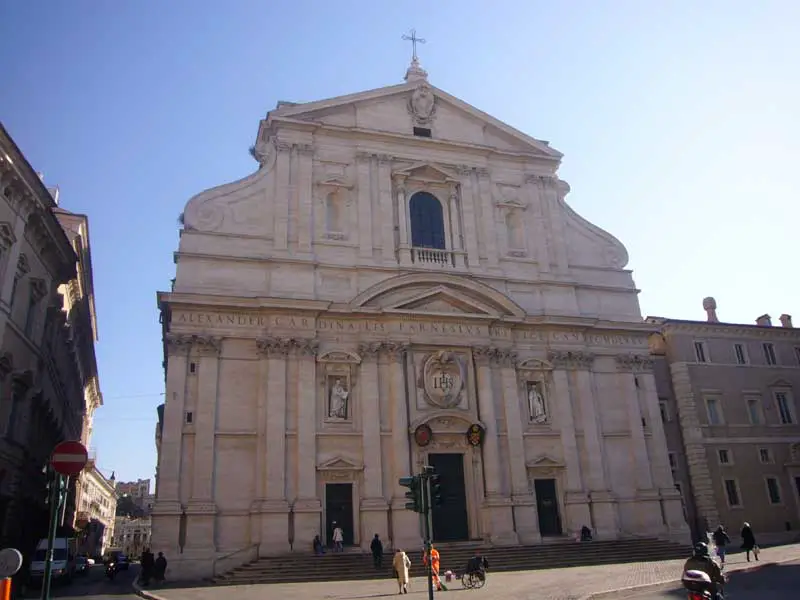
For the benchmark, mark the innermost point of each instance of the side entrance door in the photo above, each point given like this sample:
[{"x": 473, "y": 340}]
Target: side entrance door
[
  {"x": 450, "y": 520},
  {"x": 547, "y": 507}
]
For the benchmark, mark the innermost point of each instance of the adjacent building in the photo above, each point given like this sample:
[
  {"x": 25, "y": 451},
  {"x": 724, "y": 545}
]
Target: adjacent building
[
  {"x": 728, "y": 399},
  {"x": 42, "y": 384},
  {"x": 132, "y": 536},
  {"x": 139, "y": 494},
  {"x": 401, "y": 283},
  {"x": 96, "y": 511}
]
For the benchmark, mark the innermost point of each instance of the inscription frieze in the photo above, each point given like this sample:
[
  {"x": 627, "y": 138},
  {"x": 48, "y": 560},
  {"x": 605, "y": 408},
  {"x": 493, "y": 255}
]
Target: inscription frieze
[{"x": 398, "y": 327}]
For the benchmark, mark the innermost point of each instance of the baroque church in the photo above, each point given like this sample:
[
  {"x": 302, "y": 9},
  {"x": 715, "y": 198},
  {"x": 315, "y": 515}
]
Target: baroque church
[{"x": 401, "y": 283}]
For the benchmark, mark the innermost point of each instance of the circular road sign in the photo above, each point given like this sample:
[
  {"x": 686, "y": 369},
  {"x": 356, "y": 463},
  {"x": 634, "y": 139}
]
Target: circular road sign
[
  {"x": 69, "y": 458},
  {"x": 10, "y": 562}
]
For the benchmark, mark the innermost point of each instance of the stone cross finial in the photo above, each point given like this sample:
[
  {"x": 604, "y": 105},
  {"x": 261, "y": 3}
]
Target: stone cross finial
[
  {"x": 415, "y": 72},
  {"x": 414, "y": 40},
  {"x": 710, "y": 306}
]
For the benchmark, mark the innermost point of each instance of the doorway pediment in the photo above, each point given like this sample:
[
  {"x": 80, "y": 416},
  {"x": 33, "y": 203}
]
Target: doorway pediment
[
  {"x": 427, "y": 172},
  {"x": 544, "y": 462},
  {"x": 339, "y": 463},
  {"x": 443, "y": 300}
]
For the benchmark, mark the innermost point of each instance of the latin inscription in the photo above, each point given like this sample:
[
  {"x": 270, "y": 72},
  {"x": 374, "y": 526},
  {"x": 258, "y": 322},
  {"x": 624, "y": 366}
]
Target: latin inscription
[{"x": 327, "y": 324}]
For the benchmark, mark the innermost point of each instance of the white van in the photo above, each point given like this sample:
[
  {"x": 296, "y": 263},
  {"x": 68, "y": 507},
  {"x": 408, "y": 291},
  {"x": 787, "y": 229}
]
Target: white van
[{"x": 63, "y": 560}]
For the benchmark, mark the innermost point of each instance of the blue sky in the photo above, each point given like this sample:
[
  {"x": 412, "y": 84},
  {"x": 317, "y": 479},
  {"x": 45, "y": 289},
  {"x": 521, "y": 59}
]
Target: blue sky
[{"x": 678, "y": 120}]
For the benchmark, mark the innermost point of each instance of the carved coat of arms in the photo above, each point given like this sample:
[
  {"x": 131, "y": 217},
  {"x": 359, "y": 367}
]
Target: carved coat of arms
[
  {"x": 422, "y": 104},
  {"x": 443, "y": 379}
]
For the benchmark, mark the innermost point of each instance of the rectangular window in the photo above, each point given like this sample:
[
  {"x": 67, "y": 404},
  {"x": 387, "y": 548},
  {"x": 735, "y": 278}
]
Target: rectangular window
[
  {"x": 797, "y": 354},
  {"x": 662, "y": 406},
  {"x": 769, "y": 353},
  {"x": 701, "y": 352},
  {"x": 714, "y": 411},
  {"x": 30, "y": 318},
  {"x": 755, "y": 411},
  {"x": 765, "y": 456},
  {"x": 422, "y": 132},
  {"x": 785, "y": 413},
  {"x": 189, "y": 417},
  {"x": 724, "y": 456},
  {"x": 732, "y": 493},
  {"x": 741, "y": 356},
  {"x": 773, "y": 490}
]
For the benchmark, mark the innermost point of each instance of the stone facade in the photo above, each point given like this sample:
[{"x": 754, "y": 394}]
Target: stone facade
[
  {"x": 132, "y": 536},
  {"x": 96, "y": 511},
  {"x": 41, "y": 379},
  {"x": 728, "y": 396},
  {"x": 401, "y": 270}
]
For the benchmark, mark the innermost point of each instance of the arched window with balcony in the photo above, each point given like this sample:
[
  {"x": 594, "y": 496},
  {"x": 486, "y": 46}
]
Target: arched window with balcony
[{"x": 427, "y": 221}]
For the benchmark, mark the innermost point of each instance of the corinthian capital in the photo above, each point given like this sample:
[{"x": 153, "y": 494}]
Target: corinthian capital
[
  {"x": 178, "y": 344},
  {"x": 273, "y": 347},
  {"x": 369, "y": 350},
  {"x": 484, "y": 354},
  {"x": 305, "y": 347},
  {"x": 206, "y": 344},
  {"x": 635, "y": 363},
  {"x": 395, "y": 350},
  {"x": 505, "y": 357},
  {"x": 571, "y": 360}
]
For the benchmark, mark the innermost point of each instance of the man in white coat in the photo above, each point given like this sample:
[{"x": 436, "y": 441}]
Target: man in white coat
[{"x": 401, "y": 564}]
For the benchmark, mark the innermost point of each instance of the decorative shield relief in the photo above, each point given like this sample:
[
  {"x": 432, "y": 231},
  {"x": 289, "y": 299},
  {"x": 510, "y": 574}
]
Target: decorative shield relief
[
  {"x": 443, "y": 378},
  {"x": 423, "y": 435},
  {"x": 475, "y": 435}
]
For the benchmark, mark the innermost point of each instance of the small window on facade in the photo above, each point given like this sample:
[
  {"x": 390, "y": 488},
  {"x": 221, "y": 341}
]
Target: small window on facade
[
  {"x": 797, "y": 354},
  {"x": 724, "y": 456},
  {"x": 714, "y": 411},
  {"x": 741, "y": 357},
  {"x": 769, "y": 353},
  {"x": 192, "y": 367},
  {"x": 644, "y": 422},
  {"x": 673, "y": 462},
  {"x": 732, "y": 492},
  {"x": 422, "y": 132},
  {"x": 785, "y": 413},
  {"x": 765, "y": 456},
  {"x": 773, "y": 490},
  {"x": 189, "y": 417},
  {"x": 754, "y": 411},
  {"x": 701, "y": 352},
  {"x": 662, "y": 406}
]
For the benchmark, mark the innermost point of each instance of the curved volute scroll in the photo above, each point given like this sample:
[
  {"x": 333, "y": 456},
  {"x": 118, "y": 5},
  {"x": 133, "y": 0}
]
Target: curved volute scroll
[{"x": 211, "y": 210}]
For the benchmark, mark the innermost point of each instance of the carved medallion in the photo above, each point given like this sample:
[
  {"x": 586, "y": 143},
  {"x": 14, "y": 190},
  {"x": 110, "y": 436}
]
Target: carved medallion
[
  {"x": 422, "y": 104},
  {"x": 443, "y": 379},
  {"x": 423, "y": 435},
  {"x": 475, "y": 435}
]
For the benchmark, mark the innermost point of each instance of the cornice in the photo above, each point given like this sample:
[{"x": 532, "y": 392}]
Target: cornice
[{"x": 726, "y": 330}]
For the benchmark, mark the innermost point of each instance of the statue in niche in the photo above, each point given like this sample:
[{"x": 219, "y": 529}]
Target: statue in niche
[
  {"x": 338, "y": 395},
  {"x": 537, "y": 410}
]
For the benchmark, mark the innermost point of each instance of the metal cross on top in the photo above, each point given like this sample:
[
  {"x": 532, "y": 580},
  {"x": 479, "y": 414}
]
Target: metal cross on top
[{"x": 414, "y": 40}]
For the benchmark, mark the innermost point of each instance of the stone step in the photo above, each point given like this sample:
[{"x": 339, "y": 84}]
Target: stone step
[{"x": 358, "y": 566}]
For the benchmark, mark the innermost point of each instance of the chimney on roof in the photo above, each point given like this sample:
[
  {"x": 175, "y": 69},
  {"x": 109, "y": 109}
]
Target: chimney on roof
[
  {"x": 786, "y": 321},
  {"x": 764, "y": 321},
  {"x": 710, "y": 306}
]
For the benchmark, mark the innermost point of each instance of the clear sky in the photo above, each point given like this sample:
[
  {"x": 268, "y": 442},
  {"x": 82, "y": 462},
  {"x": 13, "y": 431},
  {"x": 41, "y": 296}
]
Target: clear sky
[{"x": 679, "y": 121}]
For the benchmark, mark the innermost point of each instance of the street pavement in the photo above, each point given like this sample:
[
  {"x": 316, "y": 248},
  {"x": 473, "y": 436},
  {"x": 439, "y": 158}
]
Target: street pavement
[
  {"x": 572, "y": 583},
  {"x": 779, "y": 582},
  {"x": 93, "y": 586}
]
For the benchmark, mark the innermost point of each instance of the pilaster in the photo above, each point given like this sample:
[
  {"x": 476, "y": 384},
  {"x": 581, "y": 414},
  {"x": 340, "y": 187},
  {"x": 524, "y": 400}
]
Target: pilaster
[
  {"x": 307, "y": 506},
  {"x": 455, "y": 227},
  {"x": 540, "y": 229},
  {"x": 551, "y": 202},
  {"x": 385, "y": 200},
  {"x": 282, "y": 195},
  {"x": 365, "y": 194},
  {"x": 525, "y": 519},
  {"x": 469, "y": 217},
  {"x": 305, "y": 234},
  {"x": 487, "y": 217},
  {"x": 404, "y": 247}
]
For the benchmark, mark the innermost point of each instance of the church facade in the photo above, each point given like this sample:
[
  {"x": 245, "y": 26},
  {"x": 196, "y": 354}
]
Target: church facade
[{"x": 401, "y": 284}]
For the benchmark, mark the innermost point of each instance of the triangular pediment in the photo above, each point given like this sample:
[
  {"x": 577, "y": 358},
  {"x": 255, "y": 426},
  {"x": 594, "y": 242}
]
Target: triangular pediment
[
  {"x": 442, "y": 300},
  {"x": 386, "y": 109},
  {"x": 339, "y": 463},
  {"x": 427, "y": 172},
  {"x": 544, "y": 462}
]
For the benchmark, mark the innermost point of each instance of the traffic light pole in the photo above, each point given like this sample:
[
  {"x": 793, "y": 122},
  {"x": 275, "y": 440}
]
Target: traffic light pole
[
  {"x": 56, "y": 498},
  {"x": 426, "y": 516}
]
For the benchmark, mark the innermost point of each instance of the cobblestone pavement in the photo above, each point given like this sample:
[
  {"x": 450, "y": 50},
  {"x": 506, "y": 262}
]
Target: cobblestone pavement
[
  {"x": 573, "y": 583},
  {"x": 775, "y": 583}
]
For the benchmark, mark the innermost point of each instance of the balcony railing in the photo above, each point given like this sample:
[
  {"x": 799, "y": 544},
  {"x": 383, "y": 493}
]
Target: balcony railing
[{"x": 433, "y": 257}]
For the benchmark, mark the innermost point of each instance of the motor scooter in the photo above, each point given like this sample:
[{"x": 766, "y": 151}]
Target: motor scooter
[
  {"x": 111, "y": 570},
  {"x": 699, "y": 585}
]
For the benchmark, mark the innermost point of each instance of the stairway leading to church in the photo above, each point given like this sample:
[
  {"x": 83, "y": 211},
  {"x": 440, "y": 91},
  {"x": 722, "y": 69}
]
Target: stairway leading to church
[{"x": 354, "y": 565}]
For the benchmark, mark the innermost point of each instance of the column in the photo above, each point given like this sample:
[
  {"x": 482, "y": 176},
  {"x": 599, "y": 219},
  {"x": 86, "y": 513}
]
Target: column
[
  {"x": 384, "y": 201},
  {"x": 261, "y": 438},
  {"x": 468, "y": 208},
  {"x": 305, "y": 221},
  {"x": 455, "y": 227},
  {"x": 282, "y": 196},
  {"x": 576, "y": 501},
  {"x": 373, "y": 503},
  {"x": 671, "y": 503},
  {"x": 525, "y": 517},
  {"x": 498, "y": 518},
  {"x": 201, "y": 509},
  {"x": 275, "y": 508},
  {"x": 487, "y": 218},
  {"x": 540, "y": 225},
  {"x": 603, "y": 502},
  {"x": 405, "y": 524},
  {"x": 404, "y": 247},
  {"x": 364, "y": 206},
  {"x": 387, "y": 223},
  {"x": 167, "y": 509},
  {"x": 647, "y": 518},
  {"x": 307, "y": 507}
]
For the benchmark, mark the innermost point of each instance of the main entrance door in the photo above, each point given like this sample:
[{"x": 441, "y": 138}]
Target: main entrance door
[
  {"x": 339, "y": 510},
  {"x": 450, "y": 521},
  {"x": 547, "y": 506}
]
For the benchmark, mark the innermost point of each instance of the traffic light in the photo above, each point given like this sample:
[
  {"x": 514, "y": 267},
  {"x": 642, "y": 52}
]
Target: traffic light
[
  {"x": 436, "y": 490},
  {"x": 414, "y": 493}
]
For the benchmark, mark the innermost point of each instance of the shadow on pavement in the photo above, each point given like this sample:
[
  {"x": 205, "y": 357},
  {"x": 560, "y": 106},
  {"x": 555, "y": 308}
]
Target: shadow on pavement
[{"x": 94, "y": 583}]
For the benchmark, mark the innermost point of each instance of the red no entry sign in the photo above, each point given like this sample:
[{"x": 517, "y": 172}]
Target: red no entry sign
[{"x": 69, "y": 458}]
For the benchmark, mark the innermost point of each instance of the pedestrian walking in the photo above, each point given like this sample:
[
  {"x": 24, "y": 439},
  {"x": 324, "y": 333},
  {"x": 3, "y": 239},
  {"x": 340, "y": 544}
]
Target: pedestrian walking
[
  {"x": 400, "y": 565},
  {"x": 376, "y": 547},
  {"x": 749, "y": 542},
  {"x": 721, "y": 540},
  {"x": 338, "y": 538}
]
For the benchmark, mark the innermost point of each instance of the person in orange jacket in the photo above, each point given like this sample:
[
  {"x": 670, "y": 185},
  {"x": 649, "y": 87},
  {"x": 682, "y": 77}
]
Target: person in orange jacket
[{"x": 434, "y": 567}]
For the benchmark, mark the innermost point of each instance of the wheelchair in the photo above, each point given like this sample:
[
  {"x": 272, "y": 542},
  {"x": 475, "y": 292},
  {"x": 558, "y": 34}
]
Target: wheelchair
[{"x": 473, "y": 581}]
